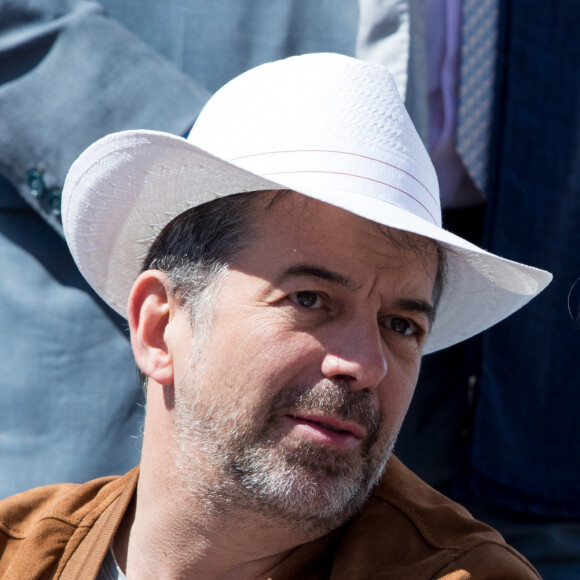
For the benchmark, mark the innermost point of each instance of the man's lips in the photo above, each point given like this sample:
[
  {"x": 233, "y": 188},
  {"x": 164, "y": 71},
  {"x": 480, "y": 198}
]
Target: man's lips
[{"x": 328, "y": 430}]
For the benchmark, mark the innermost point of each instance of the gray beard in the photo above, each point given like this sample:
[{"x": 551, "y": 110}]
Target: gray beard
[{"x": 246, "y": 468}]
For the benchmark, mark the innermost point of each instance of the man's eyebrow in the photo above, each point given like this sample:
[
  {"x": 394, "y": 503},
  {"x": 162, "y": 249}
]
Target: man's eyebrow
[
  {"x": 418, "y": 305},
  {"x": 316, "y": 272}
]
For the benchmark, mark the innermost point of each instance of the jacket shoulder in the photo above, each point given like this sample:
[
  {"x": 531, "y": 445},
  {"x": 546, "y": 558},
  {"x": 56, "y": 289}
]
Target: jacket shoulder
[
  {"x": 409, "y": 530},
  {"x": 37, "y": 526}
]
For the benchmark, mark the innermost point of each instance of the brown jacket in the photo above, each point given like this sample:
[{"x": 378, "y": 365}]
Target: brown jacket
[{"x": 406, "y": 530}]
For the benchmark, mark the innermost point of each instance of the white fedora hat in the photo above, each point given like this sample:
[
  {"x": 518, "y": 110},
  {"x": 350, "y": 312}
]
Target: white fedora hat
[{"x": 327, "y": 126}]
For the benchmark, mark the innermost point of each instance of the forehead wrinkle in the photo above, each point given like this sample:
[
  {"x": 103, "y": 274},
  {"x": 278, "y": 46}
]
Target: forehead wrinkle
[
  {"x": 382, "y": 248},
  {"x": 316, "y": 271}
]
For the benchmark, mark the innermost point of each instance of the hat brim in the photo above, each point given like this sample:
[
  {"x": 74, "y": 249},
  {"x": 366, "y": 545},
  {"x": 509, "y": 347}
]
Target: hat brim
[{"x": 125, "y": 188}]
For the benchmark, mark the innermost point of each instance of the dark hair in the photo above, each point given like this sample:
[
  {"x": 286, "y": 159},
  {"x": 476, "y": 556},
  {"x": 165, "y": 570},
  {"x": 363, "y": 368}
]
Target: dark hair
[{"x": 197, "y": 245}]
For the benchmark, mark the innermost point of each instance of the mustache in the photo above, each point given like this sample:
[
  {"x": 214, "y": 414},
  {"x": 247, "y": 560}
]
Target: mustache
[{"x": 336, "y": 398}]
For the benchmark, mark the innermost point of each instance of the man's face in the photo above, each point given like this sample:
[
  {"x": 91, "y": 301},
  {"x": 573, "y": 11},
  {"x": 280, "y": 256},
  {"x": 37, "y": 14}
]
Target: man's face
[{"x": 294, "y": 399}]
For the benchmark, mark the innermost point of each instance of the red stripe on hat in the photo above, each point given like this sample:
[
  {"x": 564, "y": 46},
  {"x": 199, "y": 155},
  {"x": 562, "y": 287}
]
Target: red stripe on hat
[
  {"x": 360, "y": 177},
  {"x": 344, "y": 153}
]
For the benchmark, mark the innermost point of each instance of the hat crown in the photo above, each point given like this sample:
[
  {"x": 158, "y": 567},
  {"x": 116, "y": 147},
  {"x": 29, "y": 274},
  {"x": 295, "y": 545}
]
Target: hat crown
[{"x": 348, "y": 111}]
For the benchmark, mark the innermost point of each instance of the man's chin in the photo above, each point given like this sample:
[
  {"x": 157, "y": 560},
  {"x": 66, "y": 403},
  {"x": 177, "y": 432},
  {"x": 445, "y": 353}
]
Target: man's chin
[{"x": 317, "y": 490}]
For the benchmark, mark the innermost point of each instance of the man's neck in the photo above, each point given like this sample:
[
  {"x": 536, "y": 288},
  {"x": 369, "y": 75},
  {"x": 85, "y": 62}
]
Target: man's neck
[{"x": 164, "y": 540}]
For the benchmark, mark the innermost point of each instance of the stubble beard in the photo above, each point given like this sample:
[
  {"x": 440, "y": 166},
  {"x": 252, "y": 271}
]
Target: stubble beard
[{"x": 248, "y": 466}]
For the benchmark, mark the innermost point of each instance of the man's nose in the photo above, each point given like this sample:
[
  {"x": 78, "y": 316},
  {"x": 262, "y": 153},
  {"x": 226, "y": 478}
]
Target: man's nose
[{"x": 357, "y": 355}]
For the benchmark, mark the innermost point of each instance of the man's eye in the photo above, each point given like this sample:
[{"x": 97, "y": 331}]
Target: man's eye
[
  {"x": 402, "y": 326},
  {"x": 306, "y": 299}
]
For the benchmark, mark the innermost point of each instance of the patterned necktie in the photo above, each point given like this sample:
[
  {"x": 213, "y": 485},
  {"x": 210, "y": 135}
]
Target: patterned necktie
[{"x": 476, "y": 91}]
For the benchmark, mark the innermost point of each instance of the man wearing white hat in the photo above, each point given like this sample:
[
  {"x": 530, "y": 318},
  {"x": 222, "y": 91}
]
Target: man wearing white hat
[{"x": 282, "y": 271}]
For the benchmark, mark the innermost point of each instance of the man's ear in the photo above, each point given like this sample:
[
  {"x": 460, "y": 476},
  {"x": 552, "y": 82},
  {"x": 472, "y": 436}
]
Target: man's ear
[{"x": 149, "y": 311}]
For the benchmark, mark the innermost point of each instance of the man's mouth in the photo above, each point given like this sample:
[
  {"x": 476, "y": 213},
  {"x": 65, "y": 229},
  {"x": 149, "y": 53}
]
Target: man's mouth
[
  {"x": 327, "y": 430},
  {"x": 337, "y": 430}
]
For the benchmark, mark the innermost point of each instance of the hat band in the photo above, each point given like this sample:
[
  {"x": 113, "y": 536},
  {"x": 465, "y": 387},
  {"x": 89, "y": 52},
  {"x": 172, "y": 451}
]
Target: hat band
[{"x": 344, "y": 171}]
